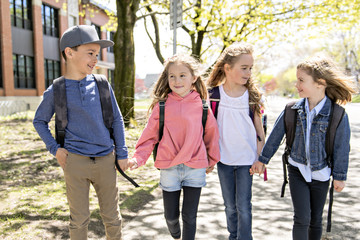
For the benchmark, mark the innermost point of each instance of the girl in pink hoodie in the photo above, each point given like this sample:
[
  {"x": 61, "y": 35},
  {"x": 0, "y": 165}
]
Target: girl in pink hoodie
[{"x": 184, "y": 153}]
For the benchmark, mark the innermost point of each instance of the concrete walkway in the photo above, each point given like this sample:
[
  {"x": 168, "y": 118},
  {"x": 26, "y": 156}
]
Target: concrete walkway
[{"x": 272, "y": 215}]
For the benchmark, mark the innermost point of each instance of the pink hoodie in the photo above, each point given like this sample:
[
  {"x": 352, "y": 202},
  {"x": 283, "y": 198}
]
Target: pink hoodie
[{"x": 182, "y": 141}]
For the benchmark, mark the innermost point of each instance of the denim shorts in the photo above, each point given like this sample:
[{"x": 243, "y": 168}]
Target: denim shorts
[{"x": 172, "y": 179}]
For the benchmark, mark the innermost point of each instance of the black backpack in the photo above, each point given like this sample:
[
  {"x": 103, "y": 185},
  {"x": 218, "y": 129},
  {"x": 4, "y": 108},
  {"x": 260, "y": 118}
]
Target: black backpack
[
  {"x": 290, "y": 117},
  {"x": 61, "y": 120},
  {"x": 162, "y": 118}
]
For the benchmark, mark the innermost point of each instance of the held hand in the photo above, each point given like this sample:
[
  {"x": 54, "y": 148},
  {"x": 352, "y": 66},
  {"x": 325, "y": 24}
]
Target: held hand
[
  {"x": 209, "y": 169},
  {"x": 339, "y": 185},
  {"x": 61, "y": 156},
  {"x": 133, "y": 164},
  {"x": 257, "y": 167},
  {"x": 123, "y": 163}
]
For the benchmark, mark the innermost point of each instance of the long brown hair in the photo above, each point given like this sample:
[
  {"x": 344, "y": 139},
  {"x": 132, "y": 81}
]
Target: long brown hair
[
  {"x": 162, "y": 88},
  {"x": 338, "y": 85},
  {"x": 230, "y": 56}
]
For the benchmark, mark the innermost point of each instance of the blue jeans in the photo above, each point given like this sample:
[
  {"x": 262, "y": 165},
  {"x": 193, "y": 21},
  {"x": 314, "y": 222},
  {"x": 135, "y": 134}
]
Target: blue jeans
[
  {"x": 308, "y": 200},
  {"x": 236, "y": 182},
  {"x": 178, "y": 176}
]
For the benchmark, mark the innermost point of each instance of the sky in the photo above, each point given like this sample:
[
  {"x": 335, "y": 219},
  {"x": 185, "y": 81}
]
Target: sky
[{"x": 146, "y": 61}]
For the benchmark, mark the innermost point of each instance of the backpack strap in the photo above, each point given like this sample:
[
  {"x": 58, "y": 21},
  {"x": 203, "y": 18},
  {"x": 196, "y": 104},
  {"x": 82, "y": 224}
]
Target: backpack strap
[
  {"x": 108, "y": 115},
  {"x": 162, "y": 118},
  {"x": 105, "y": 100},
  {"x": 252, "y": 112},
  {"x": 161, "y": 126},
  {"x": 214, "y": 94},
  {"x": 204, "y": 115},
  {"x": 336, "y": 115},
  {"x": 60, "y": 104},
  {"x": 290, "y": 126}
]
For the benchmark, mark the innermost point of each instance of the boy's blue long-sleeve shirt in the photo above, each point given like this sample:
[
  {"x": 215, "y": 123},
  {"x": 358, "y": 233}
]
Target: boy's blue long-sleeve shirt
[{"x": 85, "y": 133}]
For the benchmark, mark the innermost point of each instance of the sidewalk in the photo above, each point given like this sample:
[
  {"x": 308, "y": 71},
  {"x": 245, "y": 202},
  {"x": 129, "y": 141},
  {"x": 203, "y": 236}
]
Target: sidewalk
[
  {"x": 211, "y": 223},
  {"x": 272, "y": 215}
]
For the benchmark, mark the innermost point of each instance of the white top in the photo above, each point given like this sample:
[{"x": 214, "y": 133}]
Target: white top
[
  {"x": 237, "y": 131},
  {"x": 305, "y": 170}
]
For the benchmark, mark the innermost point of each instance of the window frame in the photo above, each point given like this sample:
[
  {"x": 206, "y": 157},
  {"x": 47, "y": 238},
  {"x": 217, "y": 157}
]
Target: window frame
[
  {"x": 50, "y": 20},
  {"x": 24, "y": 76},
  {"x": 111, "y": 36},
  {"x": 55, "y": 73},
  {"x": 98, "y": 30},
  {"x": 24, "y": 9}
]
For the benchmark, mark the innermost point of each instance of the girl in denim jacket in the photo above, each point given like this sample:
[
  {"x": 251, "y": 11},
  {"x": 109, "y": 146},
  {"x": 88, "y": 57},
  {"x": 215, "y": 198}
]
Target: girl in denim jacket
[{"x": 319, "y": 82}]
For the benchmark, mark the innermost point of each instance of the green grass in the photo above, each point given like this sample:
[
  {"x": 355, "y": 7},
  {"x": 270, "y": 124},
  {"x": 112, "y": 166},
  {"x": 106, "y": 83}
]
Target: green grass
[
  {"x": 356, "y": 99},
  {"x": 142, "y": 104},
  {"x": 33, "y": 202}
]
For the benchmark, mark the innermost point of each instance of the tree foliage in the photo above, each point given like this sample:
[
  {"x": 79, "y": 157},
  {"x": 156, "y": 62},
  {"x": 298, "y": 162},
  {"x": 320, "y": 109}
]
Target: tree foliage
[
  {"x": 286, "y": 82},
  {"x": 212, "y": 25},
  {"x": 344, "y": 47}
]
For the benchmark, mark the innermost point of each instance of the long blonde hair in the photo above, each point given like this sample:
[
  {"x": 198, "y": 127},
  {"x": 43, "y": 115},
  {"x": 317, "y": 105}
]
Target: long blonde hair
[
  {"x": 338, "y": 85},
  {"x": 162, "y": 88},
  {"x": 230, "y": 56}
]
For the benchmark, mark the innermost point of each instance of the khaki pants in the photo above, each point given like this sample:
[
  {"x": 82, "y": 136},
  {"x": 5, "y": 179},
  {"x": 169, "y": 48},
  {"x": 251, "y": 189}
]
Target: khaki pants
[{"x": 79, "y": 172}]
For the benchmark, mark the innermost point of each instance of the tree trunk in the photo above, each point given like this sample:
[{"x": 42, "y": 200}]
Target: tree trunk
[{"x": 124, "y": 51}]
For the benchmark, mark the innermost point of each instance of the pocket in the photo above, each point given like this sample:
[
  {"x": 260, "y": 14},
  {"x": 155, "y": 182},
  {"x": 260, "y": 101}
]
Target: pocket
[
  {"x": 323, "y": 128},
  {"x": 67, "y": 162}
]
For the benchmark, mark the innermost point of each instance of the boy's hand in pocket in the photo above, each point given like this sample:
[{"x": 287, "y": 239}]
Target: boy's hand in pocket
[{"x": 61, "y": 156}]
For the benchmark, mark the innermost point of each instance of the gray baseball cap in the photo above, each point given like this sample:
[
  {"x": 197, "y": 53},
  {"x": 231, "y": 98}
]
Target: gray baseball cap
[{"x": 82, "y": 34}]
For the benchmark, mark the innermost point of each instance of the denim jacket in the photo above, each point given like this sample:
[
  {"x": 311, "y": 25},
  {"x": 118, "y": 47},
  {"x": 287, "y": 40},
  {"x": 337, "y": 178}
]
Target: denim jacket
[{"x": 317, "y": 140}]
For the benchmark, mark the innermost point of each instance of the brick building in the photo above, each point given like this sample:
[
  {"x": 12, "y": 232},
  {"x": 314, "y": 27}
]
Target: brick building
[{"x": 29, "y": 44}]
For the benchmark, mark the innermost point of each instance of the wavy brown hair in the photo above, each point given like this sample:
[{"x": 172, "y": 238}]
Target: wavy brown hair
[
  {"x": 162, "y": 88},
  {"x": 338, "y": 85},
  {"x": 230, "y": 56}
]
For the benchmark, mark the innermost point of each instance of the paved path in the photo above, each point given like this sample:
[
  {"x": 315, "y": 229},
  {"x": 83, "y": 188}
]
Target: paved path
[{"x": 272, "y": 215}]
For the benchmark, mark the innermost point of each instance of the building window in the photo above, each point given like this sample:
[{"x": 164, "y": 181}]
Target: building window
[
  {"x": 20, "y": 11},
  {"x": 110, "y": 36},
  {"x": 98, "y": 30},
  {"x": 50, "y": 21},
  {"x": 24, "y": 76},
  {"x": 52, "y": 71}
]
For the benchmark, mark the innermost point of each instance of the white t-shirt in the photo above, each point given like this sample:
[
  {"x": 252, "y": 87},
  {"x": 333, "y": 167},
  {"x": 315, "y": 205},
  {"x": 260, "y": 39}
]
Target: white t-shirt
[{"x": 237, "y": 131}]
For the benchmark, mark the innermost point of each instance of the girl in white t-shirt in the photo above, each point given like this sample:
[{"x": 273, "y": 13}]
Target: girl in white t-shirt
[{"x": 236, "y": 103}]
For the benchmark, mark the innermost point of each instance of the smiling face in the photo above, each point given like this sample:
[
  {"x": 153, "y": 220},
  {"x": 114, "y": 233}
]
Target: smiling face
[
  {"x": 180, "y": 79},
  {"x": 82, "y": 60},
  {"x": 240, "y": 72},
  {"x": 306, "y": 86}
]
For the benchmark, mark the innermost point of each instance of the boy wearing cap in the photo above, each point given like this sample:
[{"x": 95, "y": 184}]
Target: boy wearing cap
[{"x": 89, "y": 154}]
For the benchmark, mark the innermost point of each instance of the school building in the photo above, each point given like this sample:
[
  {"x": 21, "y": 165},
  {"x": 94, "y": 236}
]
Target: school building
[{"x": 29, "y": 46}]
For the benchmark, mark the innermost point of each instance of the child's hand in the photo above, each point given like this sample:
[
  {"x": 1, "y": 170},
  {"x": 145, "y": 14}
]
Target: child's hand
[
  {"x": 123, "y": 163},
  {"x": 133, "y": 164},
  {"x": 209, "y": 169},
  {"x": 61, "y": 156},
  {"x": 257, "y": 167},
  {"x": 339, "y": 185}
]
